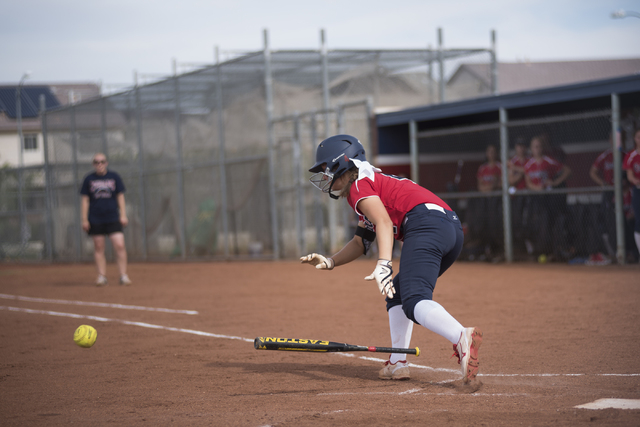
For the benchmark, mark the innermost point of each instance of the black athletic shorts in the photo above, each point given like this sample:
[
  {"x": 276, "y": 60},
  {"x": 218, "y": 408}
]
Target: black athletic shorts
[{"x": 106, "y": 229}]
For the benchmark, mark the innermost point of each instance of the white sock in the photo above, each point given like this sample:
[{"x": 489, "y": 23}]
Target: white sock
[
  {"x": 401, "y": 328},
  {"x": 435, "y": 318},
  {"x": 636, "y": 236}
]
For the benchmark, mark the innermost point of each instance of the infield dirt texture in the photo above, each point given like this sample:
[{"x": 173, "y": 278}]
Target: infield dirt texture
[{"x": 555, "y": 337}]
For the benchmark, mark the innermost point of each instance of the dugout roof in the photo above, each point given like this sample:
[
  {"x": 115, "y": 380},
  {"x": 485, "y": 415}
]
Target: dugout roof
[{"x": 393, "y": 128}]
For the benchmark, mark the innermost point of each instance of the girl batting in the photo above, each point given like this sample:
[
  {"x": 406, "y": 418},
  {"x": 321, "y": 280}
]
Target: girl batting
[{"x": 390, "y": 207}]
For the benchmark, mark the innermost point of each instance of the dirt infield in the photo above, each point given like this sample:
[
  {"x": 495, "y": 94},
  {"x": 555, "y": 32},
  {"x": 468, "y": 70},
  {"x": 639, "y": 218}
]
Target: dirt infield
[{"x": 555, "y": 337}]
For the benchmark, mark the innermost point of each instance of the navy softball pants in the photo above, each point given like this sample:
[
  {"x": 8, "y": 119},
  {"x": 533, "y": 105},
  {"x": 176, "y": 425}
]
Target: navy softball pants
[{"x": 433, "y": 240}]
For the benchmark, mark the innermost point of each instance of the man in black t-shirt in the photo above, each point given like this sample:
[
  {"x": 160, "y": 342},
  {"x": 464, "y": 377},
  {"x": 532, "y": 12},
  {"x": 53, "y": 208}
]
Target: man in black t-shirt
[{"x": 104, "y": 214}]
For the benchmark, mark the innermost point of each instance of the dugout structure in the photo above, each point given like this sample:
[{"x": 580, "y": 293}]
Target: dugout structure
[
  {"x": 215, "y": 159},
  {"x": 441, "y": 147}
]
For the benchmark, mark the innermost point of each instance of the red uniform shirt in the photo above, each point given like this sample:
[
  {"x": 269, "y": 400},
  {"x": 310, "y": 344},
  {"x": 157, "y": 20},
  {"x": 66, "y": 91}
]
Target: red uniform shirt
[
  {"x": 540, "y": 172},
  {"x": 490, "y": 173},
  {"x": 398, "y": 195},
  {"x": 632, "y": 162},
  {"x": 516, "y": 161},
  {"x": 604, "y": 165}
]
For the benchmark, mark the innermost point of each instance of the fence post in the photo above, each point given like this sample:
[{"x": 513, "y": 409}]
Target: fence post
[
  {"x": 506, "y": 200},
  {"x": 268, "y": 90},
  {"x": 103, "y": 125},
  {"x": 180, "y": 169},
  {"x": 413, "y": 152},
  {"x": 141, "y": 195},
  {"x": 221, "y": 155},
  {"x": 494, "y": 64},
  {"x": 344, "y": 207},
  {"x": 441, "y": 65},
  {"x": 76, "y": 184},
  {"x": 430, "y": 76},
  {"x": 47, "y": 181},
  {"x": 297, "y": 179},
  {"x": 617, "y": 176},
  {"x": 332, "y": 208},
  {"x": 317, "y": 200}
]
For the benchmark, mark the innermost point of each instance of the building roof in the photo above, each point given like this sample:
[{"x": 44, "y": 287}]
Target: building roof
[
  {"x": 56, "y": 95},
  {"x": 30, "y": 100},
  {"x": 520, "y": 76}
]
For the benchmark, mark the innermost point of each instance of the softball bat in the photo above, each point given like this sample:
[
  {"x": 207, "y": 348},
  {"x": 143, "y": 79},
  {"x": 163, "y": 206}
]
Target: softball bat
[{"x": 295, "y": 344}]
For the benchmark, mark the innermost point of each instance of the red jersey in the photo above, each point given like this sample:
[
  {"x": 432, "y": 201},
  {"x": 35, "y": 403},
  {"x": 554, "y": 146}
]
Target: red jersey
[
  {"x": 632, "y": 162},
  {"x": 604, "y": 165},
  {"x": 398, "y": 195},
  {"x": 490, "y": 173},
  {"x": 540, "y": 172},
  {"x": 517, "y": 161}
]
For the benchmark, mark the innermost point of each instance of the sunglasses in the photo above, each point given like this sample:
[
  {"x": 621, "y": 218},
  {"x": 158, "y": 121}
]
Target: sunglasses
[{"x": 99, "y": 162}]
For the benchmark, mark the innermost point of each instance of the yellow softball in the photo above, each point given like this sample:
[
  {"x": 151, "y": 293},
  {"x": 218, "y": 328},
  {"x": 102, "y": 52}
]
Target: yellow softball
[{"x": 85, "y": 336}]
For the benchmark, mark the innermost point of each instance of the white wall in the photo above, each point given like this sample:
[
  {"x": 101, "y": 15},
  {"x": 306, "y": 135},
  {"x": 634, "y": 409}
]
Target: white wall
[{"x": 9, "y": 153}]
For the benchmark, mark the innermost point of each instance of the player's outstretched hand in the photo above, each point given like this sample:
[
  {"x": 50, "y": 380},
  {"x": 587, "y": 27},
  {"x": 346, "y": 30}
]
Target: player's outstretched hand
[
  {"x": 383, "y": 275},
  {"x": 320, "y": 261}
]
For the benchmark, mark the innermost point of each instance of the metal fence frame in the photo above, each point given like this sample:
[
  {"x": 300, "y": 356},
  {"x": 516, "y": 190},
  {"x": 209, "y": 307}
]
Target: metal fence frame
[
  {"x": 209, "y": 87},
  {"x": 503, "y": 125}
]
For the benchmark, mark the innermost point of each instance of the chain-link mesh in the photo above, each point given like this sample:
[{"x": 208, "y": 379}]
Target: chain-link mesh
[
  {"x": 560, "y": 187},
  {"x": 194, "y": 153}
]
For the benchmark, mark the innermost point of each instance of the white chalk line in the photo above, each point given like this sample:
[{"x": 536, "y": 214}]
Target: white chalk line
[
  {"x": 125, "y": 322},
  {"x": 417, "y": 392},
  {"x": 231, "y": 337},
  {"x": 96, "y": 304}
]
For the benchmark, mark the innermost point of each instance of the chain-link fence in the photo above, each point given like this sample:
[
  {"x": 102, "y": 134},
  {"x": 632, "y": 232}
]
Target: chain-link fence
[
  {"x": 557, "y": 179},
  {"x": 214, "y": 161}
]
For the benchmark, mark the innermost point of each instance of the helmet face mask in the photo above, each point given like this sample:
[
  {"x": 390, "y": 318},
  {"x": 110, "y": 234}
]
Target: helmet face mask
[
  {"x": 322, "y": 181},
  {"x": 333, "y": 159}
]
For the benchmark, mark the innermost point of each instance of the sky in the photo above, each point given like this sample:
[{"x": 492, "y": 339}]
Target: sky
[{"x": 105, "y": 41}]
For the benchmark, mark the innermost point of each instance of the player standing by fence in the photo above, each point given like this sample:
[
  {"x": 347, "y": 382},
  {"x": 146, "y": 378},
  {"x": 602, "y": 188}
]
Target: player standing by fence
[
  {"x": 390, "y": 207},
  {"x": 544, "y": 173},
  {"x": 519, "y": 204},
  {"x": 632, "y": 165},
  {"x": 488, "y": 210},
  {"x": 104, "y": 214}
]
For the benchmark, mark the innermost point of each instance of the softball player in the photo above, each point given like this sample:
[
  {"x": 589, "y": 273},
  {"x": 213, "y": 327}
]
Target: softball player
[
  {"x": 544, "y": 173},
  {"x": 631, "y": 164},
  {"x": 390, "y": 207},
  {"x": 103, "y": 213}
]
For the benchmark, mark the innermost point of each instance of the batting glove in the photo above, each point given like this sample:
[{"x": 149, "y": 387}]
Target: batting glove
[
  {"x": 383, "y": 275},
  {"x": 321, "y": 262}
]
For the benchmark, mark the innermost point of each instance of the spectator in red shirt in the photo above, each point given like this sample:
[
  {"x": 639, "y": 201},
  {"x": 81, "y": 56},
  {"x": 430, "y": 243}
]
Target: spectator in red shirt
[
  {"x": 516, "y": 165},
  {"x": 488, "y": 209},
  {"x": 631, "y": 165},
  {"x": 602, "y": 174},
  {"x": 519, "y": 202},
  {"x": 544, "y": 173}
]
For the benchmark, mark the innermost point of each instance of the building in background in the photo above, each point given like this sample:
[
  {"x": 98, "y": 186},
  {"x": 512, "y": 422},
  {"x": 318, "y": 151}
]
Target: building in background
[
  {"x": 56, "y": 95},
  {"x": 473, "y": 80}
]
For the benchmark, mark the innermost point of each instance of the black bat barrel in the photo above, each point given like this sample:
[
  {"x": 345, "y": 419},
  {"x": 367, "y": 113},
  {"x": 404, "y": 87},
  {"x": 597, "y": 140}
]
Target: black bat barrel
[{"x": 271, "y": 343}]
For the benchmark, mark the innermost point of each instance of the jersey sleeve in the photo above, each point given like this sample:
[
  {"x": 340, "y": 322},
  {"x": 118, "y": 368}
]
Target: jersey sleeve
[
  {"x": 626, "y": 163},
  {"x": 119, "y": 185},
  {"x": 362, "y": 189},
  {"x": 597, "y": 163},
  {"x": 84, "y": 189}
]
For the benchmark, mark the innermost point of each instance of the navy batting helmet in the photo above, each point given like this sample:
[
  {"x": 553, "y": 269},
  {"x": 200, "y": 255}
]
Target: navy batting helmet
[{"x": 333, "y": 159}]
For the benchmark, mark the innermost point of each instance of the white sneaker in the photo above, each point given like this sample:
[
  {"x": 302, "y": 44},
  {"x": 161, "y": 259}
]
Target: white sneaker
[
  {"x": 124, "y": 280},
  {"x": 101, "y": 281},
  {"x": 395, "y": 371},
  {"x": 467, "y": 353}
]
